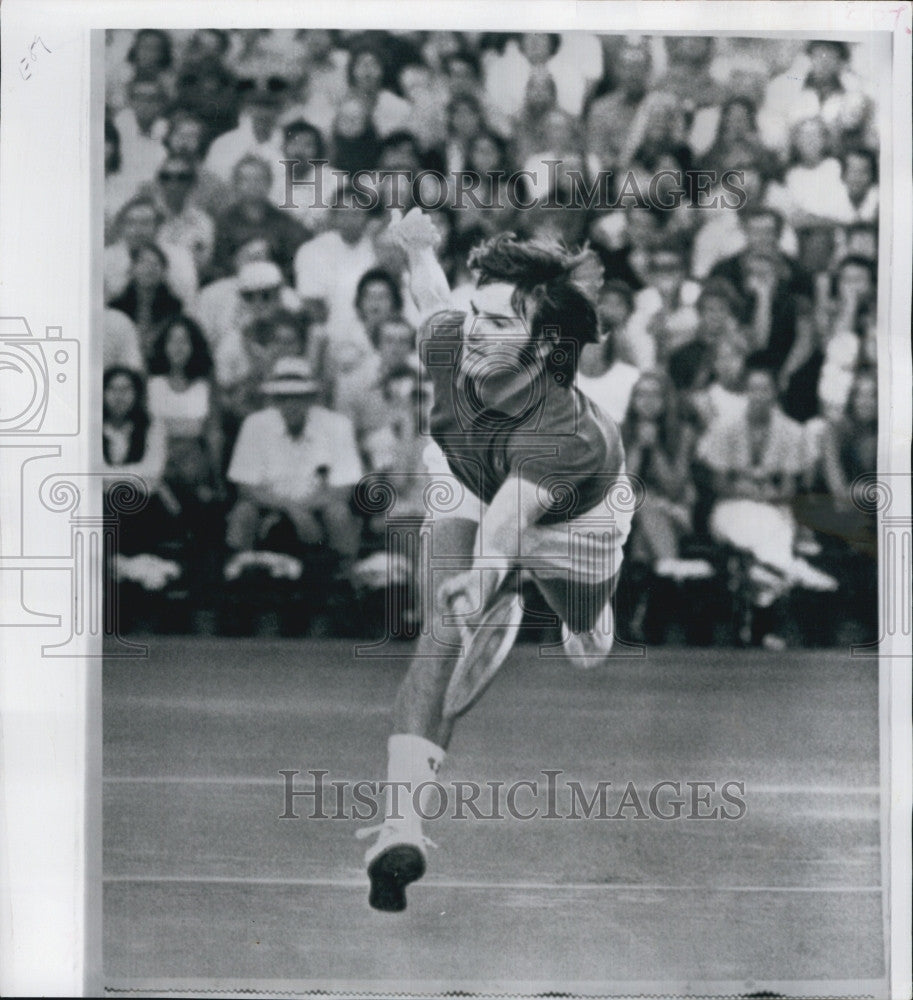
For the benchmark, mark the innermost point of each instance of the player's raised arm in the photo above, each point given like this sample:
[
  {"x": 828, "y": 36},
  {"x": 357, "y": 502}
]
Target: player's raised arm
[{"x": 417, "y": 235}]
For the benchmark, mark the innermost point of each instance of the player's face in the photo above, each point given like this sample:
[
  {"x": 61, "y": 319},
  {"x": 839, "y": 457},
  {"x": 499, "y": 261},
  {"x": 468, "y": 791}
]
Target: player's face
[{"x": 492, "y": 317}]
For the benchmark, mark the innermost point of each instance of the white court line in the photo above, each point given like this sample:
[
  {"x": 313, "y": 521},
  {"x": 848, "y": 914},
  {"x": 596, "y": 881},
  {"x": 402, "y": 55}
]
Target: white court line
[
  {"x": 278, "y": 781},
  {"x": 361, "y": 883}
]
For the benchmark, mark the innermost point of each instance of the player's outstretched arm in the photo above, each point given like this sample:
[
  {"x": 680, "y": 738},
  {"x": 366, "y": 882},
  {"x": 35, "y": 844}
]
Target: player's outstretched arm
[{"x": 417, "y": 235}]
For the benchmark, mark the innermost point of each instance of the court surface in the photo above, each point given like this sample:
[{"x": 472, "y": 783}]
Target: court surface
[{"x": 205, "y": 887}]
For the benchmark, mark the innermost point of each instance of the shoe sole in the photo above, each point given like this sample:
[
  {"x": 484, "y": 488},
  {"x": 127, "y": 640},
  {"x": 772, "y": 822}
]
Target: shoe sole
[{"x": 390, "y": 872}]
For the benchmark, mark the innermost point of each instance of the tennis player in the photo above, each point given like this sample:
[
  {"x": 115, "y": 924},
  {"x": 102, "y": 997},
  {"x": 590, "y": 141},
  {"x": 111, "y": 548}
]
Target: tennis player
[{"x": 533, "y": 457}]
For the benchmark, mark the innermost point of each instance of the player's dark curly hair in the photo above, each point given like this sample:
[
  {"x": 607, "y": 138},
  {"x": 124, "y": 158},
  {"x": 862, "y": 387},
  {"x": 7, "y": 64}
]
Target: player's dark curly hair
[{"x": 551, "y": 292}]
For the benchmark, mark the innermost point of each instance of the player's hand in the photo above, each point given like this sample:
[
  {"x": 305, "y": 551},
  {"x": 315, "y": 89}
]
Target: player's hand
[{"x": 414, "y": 231}]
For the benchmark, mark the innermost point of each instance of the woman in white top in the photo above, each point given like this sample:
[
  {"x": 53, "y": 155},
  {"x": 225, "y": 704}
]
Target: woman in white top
[{"x": 180, "y": 387}]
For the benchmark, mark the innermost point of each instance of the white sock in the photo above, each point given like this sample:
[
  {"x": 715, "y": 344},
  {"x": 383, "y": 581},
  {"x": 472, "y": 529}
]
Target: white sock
[{"x": 415, "y": 760}]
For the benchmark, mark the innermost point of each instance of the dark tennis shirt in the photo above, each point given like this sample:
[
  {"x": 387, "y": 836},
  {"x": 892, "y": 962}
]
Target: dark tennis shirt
[{"x": 499, "y": 411}]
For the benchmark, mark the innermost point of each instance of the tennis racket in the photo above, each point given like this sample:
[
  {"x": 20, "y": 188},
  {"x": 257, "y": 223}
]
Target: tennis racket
[{"x": 486, "y": 642}]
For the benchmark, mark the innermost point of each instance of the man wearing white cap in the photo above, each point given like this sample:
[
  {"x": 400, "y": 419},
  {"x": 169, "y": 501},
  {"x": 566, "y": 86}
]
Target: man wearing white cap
[{"x": 295, "y": 462}]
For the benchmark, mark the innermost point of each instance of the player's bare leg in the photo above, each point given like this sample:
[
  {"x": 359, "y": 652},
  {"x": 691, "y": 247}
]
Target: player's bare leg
[{"x": 416, "y": 750}]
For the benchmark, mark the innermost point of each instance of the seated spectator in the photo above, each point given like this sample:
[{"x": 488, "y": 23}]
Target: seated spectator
[
  {"x": 859, "y": 173},
  {"x": 658, "y": 132},
  {"x": 329, "y": 267},
  {"x": 355, "y": 144},
  {"x": 368, "y": 76},
  {"x": 148, "y": 58},
  {"x": 689, "y": 80},
  {"x": 295, "y": 465},
  {"x": 138, "y": 226},
  {"x": 665, "y": 312},
  {"x": 736, "y": 141},
  {"x": 180, "y": 390},
  {"x": 758, "y": 461},
  {"x": 602, "y": 374},
  {"x": 323, "y": 86},
  {"x": 427, "y": 95},
  {"x": 812, "y": 193},
  {"x": 183, "y": 223},
  {"x": 848, "y": 330},
  {"x": 659, "y": 447},
  {"x": 361, "y": 394},
  {"x": 611, "y": 115},
  {"x": 147, "y": 300},
  {"x": 718, "y": 308},
  {"x": 257, "y": 136},
  {"x": 723, "y": 398},
  {"x": 541, "y": 129},
  {"x": 487, "y": 159},
  {"x": 209, "y": 90},
  {"x": 222, "y": 311},
  {"x": 131, "y": 441},
  {"x": 253, "y": 217},
  {"x": 186, "y": 139},
  {"x": 465, "y": 120},
  {"x": 260, "y": 300},
  {"x": 819, "y": 84},
  {"x": 764, "y": 229},
  {"x": 120, "y": 343},
  {"x": 850, "y": 441},
  {"x": 141, "y": 126},
  {"x": 313, "y": 184}
]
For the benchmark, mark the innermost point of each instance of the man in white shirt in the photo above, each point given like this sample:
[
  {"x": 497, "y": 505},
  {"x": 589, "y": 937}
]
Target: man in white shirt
[
  {"x": 257, "y": 134},
  {"x": 294, "y": 462},
  {"x": 328, "y": 269},
  {"x": 142, "y": 128}
]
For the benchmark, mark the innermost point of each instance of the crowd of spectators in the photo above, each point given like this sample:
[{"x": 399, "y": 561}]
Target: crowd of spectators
[{"x": 260, "y": 359}]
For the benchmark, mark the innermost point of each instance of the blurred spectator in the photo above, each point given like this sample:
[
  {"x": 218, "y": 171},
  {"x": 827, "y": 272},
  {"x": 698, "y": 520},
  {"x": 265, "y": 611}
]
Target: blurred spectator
[
  {"x": 427, "y": 94},
  {"x": 183, "y": 224},
  {"x": 665, "y": 312},
  {"x": 696, "y": 93},
  {"x": 186, "y": 139},
  {"x": 131, "y": 441},
  {"x": 260, "y": 298},
  {"x": 324, "y": 83},
  {"x": 611, "y": 115},
  {"x": 659, "y": 447},
  {"x": 313, "y": 184},
  {"x": 849, "y": 330},
  {"x": 257, "y": 135},
  {"x": 859, "y": 173},
  {"x": 718, "y": 309},
  {"x": 141, "y": 126},
  {"x": 121, "y": 346},
  {"x": 294, "y": 465},
  {"x": 819, "y": 83},
  {"x": 252, "y": 216},
  {"x": 723, "y": 398},
  {"x": 604, "y": 376},
  {"x": 207, "y": 89},
  {"x": 138, "y": 226},
  {"x": 147, "y": 299},
  {"x": 329, "y": 267},
  {"x": 222, "y": 310},
  {"x": 368, "y": 79},
  {"x": 180, "y": 391},
  {"x": 850, "y": 441},
  {"x": 736, "y": 141},
  {"x": 812, "y": 190},
  {"x": 758, "y": 461},
  {"x": 465, "y": 121},
  {"x": 355, "y": 144},
  {"x": 541, "y": 128},
  {"x": 149, "y": 57}
]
